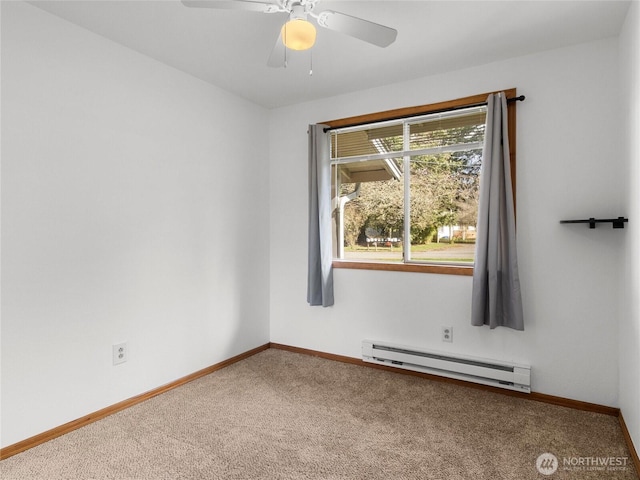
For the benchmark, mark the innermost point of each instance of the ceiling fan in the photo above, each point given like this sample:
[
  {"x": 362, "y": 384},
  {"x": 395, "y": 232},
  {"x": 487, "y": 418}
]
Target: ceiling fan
[{"x": 298, "y": 33}]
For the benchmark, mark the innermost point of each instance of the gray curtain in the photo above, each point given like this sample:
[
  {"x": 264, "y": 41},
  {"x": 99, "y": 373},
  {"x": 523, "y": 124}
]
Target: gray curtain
[
  {"x": 320, "y": 273},
  {"x": 496, "y": 298}
]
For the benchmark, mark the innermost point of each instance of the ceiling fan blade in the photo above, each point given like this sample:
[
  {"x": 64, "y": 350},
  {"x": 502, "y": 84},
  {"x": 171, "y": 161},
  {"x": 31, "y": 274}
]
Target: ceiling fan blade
[
  {"x": 357, "y": 27},
  {"x": 250, "y": 5},
  {"x": 277, "y": 58}
]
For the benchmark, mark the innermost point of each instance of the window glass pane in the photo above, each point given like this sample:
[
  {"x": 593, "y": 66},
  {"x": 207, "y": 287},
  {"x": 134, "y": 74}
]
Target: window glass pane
[
  {"x": 373, "y": 140},
  {"x": 370, "y": 211},
  {"x": 455, "y": 129},
  {"x": 444, "y": 206}
]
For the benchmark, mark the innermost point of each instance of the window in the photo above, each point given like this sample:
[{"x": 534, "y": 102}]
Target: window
[{"x": 405, "y": 190}]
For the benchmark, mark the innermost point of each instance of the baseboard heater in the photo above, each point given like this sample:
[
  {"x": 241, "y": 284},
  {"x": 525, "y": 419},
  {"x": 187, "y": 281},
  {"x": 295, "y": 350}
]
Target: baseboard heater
[{"x": 471, "y": 369}]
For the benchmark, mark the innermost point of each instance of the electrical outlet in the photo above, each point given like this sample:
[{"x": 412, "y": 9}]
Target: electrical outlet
[
  {"x": 120, "y": 353},
  {"x": 447, "y": 334}
]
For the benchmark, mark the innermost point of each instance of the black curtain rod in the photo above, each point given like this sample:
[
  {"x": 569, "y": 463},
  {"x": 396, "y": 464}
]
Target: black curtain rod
[
  {"x": 516, "y": 99},
  {"x": 509, "y": 100}
]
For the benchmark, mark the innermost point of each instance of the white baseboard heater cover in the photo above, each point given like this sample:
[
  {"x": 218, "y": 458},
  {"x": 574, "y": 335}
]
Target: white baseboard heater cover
[{"x": 472, "y": 369}]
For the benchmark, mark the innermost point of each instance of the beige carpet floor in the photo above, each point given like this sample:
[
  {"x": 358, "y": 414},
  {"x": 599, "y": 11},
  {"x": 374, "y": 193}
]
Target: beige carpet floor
[{"x": 282, "y": 415}]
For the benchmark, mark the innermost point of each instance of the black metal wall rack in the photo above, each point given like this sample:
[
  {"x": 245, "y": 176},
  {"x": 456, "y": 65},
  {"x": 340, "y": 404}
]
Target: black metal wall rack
[{"x": 617, "y": 222}]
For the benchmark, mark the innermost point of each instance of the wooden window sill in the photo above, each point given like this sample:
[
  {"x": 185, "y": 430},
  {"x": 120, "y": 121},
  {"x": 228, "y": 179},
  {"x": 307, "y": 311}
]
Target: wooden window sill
[{"x": 406, "y": 267}]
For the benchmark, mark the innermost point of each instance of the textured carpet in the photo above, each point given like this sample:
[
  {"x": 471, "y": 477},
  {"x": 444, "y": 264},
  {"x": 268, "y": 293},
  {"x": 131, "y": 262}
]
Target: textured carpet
[{"x": 281, "y": 415}]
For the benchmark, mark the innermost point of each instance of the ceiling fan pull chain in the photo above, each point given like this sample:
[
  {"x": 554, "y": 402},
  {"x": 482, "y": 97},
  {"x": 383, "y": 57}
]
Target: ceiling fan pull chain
[
  {"x": 310, "y": 63},
  {"x": 285, "y": 49}
]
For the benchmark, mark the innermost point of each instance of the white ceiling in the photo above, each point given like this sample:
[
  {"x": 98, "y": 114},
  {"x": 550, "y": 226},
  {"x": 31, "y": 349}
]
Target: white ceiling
[{"x": 230, "y": 48}]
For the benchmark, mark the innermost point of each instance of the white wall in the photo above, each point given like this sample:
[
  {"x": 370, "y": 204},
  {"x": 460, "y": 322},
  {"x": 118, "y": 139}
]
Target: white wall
[
  {"x": 569, "y": 166},
  {"x": 133, "y": 210},
  {"x": 630, "y": 300}
]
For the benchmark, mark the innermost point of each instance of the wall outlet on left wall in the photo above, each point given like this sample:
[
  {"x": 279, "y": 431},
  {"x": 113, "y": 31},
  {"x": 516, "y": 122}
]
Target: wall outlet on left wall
[{"x": 120, "y": 353}]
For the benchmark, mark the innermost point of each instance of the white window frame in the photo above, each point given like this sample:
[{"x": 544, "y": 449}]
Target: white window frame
[{"x": 406, "y": 153}]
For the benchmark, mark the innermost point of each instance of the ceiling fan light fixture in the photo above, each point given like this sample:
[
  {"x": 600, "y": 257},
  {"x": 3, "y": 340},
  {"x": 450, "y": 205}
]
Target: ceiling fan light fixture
[{"x": 298, "y": 34}]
